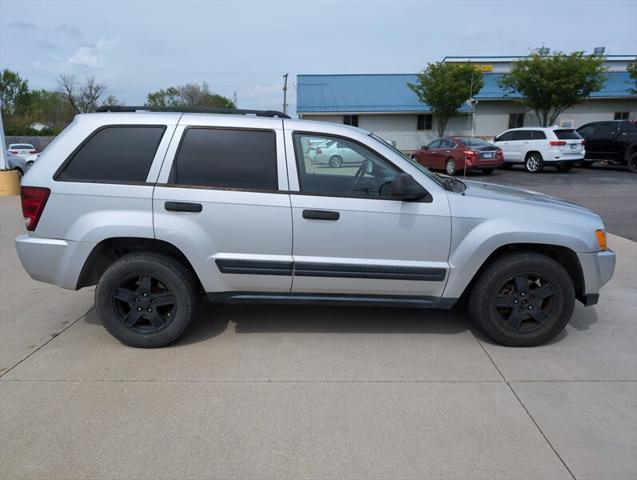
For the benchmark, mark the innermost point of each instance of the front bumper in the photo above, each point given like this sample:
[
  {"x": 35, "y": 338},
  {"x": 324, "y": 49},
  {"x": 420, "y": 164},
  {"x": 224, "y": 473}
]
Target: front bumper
[
  {"x": 51, "y": 260},
  {"x": 598, "y": 269}
]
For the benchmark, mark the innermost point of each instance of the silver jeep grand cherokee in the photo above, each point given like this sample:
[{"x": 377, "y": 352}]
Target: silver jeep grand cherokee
[{"x": 159, "y": 208}]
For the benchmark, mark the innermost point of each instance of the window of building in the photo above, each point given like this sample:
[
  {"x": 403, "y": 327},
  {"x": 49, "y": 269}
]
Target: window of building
[
  {"x": 346, "y": 168},
  {"x": 516, "y": 120},
  {"x": 114, "y": 154},
  {"x": 424, "y": 122},
  {"x": 350, "y": 120},
  {"x": 226, "y": 158},
  {"x": 621, "y": 115}
]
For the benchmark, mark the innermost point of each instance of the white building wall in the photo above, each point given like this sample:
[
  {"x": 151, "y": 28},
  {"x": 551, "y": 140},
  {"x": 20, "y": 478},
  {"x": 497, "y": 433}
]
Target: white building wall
[{"x": 490, "y": 117}]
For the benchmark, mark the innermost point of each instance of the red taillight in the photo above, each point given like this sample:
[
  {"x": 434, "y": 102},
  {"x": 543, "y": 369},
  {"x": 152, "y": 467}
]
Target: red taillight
[
  {"x": 470, "y": 154},
  {"x": 557, "y": 143},
  {"x": 318, "y": 151},
  {"x": 33, "y": 202},
  {"x": 583, "y": 142},
  {"x": 13, "y": 151},
  {"x": 33, "y": 151}
]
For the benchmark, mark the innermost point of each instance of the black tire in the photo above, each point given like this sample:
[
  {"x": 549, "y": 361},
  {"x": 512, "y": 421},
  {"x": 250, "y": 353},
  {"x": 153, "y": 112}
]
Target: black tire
[
  {"x": 522, "y": 299},
  {"x": 507, "y": 166},
  {"x": 336, "y": 161},
  {"x": 632, "y": 162},
  {"x": 139, "y": 283},
  {"x": 487, "y": 171},
  {"x": 586, "y": 163},
  {"x": 450, "y": 167},
  {"x": 564, "y": 168},
  {"x": 19, "y": 172},
  {"x": 534, "y": 163}
]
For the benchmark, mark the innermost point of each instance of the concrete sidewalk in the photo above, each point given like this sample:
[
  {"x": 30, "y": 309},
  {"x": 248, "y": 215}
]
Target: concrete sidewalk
[{"x": 312, "y": 392}]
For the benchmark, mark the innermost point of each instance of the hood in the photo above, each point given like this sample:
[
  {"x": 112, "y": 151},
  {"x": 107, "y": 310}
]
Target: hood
[{"x": 517, "y": 195}]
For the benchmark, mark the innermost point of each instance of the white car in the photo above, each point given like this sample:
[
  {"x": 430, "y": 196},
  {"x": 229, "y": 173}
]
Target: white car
[
  {"x": 22, "y": 149},
  {"x": 333, "y": 153},
  {"x": 538, "y": 147}
]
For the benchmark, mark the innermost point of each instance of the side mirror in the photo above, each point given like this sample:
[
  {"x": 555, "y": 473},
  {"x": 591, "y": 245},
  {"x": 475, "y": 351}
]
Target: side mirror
[
  {"x": 404, "y": 187},
  {"x": 424, "y": 147}
]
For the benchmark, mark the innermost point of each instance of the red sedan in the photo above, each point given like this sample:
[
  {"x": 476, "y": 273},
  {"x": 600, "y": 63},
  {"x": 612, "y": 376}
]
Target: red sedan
[{"x": 453, "y": 154}]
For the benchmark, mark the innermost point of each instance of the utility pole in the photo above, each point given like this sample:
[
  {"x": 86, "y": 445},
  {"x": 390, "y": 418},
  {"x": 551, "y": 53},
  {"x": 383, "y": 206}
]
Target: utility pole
[
  {"x": 3, "y": 147},
  {"x": 234, "y": 99},
  {"x": 285, "y": 93}
]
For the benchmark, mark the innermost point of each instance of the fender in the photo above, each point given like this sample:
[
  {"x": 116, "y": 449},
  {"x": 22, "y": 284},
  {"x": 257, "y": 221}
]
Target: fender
[{"x": 476, "y": 241}]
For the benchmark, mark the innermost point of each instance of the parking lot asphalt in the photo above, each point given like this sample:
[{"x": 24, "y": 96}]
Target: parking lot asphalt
[
  {"x": 610, "y": 191},
  {"x": 313, "y": 392}
]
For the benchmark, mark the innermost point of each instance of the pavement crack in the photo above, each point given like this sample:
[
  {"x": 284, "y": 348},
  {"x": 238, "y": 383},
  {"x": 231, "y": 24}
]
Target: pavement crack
[
  {"x": 53, "y": 337},
  {"x": 546, "y": 439}
]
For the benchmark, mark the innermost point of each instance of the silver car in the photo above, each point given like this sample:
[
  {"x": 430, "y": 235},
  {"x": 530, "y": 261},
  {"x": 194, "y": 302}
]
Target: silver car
[
  {"x": 160, "y": 208},
  {"x": 20, "y": 163}
]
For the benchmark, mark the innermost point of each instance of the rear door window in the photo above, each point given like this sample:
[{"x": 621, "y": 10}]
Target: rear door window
[
  {"x": 522, "y": 135},
  {"x": 227, "y": 158},
  {"x": 605, "y": 130},
  {"x": 114, "y": 154}
]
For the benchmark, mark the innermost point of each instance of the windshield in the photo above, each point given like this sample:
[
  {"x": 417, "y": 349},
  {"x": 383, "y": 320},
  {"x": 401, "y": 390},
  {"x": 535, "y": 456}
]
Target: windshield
[{"x": 420, "y": 167}]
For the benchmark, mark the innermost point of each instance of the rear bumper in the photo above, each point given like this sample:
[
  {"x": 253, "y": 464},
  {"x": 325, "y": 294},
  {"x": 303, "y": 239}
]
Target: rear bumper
[
  {"x": 51, "y": 260},
  {"x": 598, "y": 269},
  {"x": 485, "y": 164}
]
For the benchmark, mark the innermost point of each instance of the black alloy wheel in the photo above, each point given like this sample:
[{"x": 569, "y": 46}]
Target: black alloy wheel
[
  {"x": 146, "y": 299},
  {"x": 524, "y": 302},
  {"x": 143, "y": 303}
]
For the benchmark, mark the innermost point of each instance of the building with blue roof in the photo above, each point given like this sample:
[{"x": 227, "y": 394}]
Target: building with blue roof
[{"x": 383, "y": 103}]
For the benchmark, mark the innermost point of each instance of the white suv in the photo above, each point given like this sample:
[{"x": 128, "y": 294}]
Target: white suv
[{"x": 537, "y": 147}]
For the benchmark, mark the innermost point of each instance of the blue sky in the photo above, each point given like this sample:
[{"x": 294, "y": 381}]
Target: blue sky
[{"x": 135, "y": 47}]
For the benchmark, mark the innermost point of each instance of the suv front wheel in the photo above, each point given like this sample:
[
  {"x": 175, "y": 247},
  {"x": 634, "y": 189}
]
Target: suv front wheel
[
  {"x": 523, "y": 299},
  {"x": 145, "y": 299}
]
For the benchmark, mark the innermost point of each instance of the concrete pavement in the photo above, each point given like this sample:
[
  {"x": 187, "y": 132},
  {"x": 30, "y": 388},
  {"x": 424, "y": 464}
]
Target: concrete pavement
[{"x": 313, "y": 392}]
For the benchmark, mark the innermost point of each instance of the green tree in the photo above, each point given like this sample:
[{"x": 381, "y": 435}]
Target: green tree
[
  {"x": 445, "y": 87},
  {"x": 550, "y": 85},
  {"x": 632, "y": 71},
  {"x": 188, "y": 95},
  {"x": 14, "y": 91}
]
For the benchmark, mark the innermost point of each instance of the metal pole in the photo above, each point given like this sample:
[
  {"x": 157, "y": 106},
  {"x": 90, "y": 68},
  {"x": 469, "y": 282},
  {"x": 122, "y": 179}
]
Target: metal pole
[
  {"x": 3, "y": 147},
  {"x": 285, "y": 93}
]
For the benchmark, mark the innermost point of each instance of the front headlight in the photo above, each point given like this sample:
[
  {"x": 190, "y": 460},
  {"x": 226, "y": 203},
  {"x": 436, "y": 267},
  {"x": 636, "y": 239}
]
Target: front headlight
[{"x": 601, "y": 239}]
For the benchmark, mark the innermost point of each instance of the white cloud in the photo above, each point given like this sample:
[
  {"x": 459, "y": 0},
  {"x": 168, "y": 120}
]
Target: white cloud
[{"x": 90, "y": 55}]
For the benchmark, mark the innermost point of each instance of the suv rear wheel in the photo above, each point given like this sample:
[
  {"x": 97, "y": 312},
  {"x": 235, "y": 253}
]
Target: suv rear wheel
[
  {"x": 145, "y": 299},
  {"x": 522, "y": 299},
  {"x": 534, "y": 163},
  {"x": 450, "y": 167},
  {"x": 632, "y": 162}
]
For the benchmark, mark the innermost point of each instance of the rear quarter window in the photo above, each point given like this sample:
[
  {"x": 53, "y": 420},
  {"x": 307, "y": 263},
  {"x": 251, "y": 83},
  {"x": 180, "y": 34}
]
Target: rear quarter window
[
  {"x": 117, "y": 154},
  {"x": 538, "y": 135}
]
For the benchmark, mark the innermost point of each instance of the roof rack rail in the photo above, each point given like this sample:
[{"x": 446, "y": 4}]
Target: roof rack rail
[{"x": 225, "y": 111}]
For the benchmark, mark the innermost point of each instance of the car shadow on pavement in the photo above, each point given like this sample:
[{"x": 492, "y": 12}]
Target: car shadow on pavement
[{"x": 213, "y": 319}]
